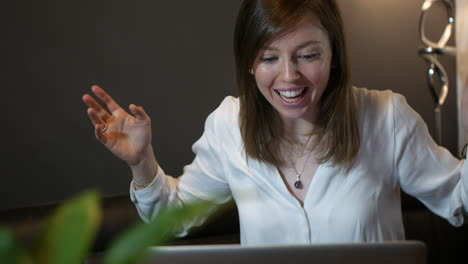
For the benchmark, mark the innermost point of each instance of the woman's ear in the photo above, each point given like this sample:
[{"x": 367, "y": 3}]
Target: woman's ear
[{"x": 253, "y": 67}]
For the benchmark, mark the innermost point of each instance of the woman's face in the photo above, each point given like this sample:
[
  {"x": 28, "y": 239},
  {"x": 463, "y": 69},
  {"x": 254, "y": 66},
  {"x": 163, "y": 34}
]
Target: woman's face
[{"x": 292, "y": 71}]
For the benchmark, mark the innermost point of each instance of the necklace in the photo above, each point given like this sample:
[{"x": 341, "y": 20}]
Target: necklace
[{"x": 298, "y": 182}]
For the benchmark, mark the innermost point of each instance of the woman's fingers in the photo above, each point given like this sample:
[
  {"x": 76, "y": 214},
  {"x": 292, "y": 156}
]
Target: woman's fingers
[
  {"x": 105, "y": 98},
  {"x": 99, "y": 133},
  {"x": 95, "y": 118},
  {"x": 98, "y": 109},
  {"x": 138, "y": 112}
]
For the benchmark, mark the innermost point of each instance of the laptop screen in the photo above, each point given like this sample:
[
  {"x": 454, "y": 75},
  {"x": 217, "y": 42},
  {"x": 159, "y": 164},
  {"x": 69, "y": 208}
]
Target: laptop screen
[{"x": 401, "y": 252}]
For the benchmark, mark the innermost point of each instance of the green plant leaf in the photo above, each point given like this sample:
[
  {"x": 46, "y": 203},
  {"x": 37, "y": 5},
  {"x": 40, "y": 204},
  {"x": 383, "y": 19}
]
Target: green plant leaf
[
  {"x": 9, "y": 249},
  {"x": 131, "y": 246},
  {"x": 70, "y": 230}
]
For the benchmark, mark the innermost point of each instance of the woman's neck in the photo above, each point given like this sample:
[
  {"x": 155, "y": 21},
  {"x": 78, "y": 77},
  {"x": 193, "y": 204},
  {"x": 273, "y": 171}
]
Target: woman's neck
[{"x": 297, "y": 131}]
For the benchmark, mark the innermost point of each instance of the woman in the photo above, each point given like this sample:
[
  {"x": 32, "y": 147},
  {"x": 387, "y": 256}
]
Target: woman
[{"x": 305, "y": 156}]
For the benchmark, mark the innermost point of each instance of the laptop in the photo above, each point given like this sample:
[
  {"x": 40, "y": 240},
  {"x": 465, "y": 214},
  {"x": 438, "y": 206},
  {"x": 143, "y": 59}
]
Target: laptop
[{"x": 401, "y": 252}]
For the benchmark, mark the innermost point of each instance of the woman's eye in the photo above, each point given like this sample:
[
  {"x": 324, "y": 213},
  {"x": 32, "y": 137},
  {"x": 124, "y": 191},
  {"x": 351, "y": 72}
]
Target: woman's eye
[
  {"x": 309, "y": 57},
  {"x": 268, "y": 59}
]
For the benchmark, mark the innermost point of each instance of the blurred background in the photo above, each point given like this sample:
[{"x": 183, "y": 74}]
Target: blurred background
[{"x": 175, "y": 59}]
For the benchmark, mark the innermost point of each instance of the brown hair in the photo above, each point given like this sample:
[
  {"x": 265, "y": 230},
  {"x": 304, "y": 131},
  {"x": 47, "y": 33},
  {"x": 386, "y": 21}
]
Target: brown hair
[{"x": 260, "y": 21}]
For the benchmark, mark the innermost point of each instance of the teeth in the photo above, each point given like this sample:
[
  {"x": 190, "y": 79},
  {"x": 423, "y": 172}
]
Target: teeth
[{"x": 290, "y": 96}]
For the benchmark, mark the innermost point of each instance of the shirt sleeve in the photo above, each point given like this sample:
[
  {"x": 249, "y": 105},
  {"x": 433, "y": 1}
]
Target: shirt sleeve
[
  {"x": 425, "y": 170},
  {"x": 203, "y": 179}
]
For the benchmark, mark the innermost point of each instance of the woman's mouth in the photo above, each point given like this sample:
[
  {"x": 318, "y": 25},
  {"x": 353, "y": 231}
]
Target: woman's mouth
[{"x": 291, "y": 96}]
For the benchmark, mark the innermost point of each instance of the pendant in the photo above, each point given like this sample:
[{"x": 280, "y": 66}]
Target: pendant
[{"x": 298, "y": 183}]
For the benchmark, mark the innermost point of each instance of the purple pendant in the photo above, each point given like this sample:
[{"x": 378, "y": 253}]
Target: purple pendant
[{"x": 298, "y": 184}]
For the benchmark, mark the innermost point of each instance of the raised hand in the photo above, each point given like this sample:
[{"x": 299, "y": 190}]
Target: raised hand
[{"x": 128, "y": 136}]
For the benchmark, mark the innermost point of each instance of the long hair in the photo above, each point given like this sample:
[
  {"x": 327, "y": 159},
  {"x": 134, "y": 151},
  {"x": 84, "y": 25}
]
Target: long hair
[{"x": 337, "y": 133}]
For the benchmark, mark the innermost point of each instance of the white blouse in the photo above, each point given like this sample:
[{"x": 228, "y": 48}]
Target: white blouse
[{"x": 362, "y": 205}]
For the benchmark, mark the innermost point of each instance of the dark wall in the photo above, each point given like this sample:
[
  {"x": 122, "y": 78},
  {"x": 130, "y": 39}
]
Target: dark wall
[{"x": 172, "y": 57}]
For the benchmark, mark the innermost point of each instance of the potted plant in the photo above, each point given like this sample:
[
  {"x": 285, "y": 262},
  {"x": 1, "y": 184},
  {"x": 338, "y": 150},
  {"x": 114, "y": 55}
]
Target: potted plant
[{"x": 68, "y": 233}]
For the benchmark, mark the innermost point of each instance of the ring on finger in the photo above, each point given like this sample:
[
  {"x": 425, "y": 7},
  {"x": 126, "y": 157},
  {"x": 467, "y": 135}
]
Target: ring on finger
[{"x": 104, "y": 128}]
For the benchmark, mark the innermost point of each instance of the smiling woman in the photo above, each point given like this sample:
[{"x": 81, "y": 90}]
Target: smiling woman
[
  {"x": 293, "y": 71},
  {"x": 297, "y": 149},
  {"x": 295, "y": 48}
]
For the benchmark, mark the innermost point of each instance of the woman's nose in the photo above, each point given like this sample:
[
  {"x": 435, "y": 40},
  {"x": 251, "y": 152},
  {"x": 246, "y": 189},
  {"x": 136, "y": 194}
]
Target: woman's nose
[{"x": 289, "y": 71}]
